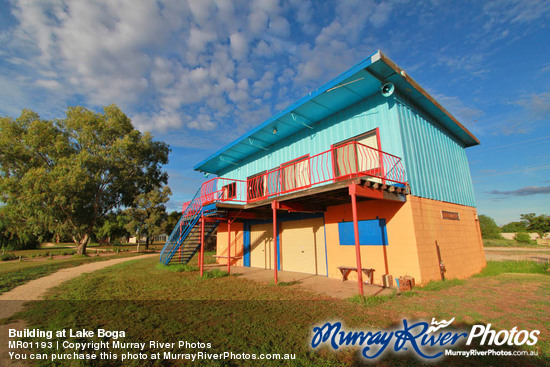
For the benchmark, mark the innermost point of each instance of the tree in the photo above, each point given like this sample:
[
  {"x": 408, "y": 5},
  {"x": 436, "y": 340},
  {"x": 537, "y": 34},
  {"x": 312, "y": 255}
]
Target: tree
[
  {"x": 171, "y": 222},
  {"x": 522, "y": 237},
  {"x": 489, "y": 228},
  {"x": 114, "y": 226},
  {"x": 65, "y": 176},
  {"x": 537, "y": 223},
  {"x": 515, "y": 227},
  {"x": 148, "y": 214},
  {"x": 14, "y": 233}
]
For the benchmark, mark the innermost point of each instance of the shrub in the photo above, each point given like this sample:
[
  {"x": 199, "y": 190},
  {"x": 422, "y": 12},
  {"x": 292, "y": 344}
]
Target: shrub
[
  {"x": 522, "y": 237},
  {"x": 7, "y": 256},
  {"x": 489, "y": 228}
]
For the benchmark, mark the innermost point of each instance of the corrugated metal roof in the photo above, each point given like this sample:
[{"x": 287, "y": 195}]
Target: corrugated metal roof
[{"x": 359, "y": 82}]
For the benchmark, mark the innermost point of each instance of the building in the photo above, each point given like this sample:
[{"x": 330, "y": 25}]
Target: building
[{"x": 366, "y": 172}]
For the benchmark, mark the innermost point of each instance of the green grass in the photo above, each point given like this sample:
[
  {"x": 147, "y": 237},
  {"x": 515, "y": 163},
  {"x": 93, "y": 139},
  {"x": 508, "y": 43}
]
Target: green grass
[
  {"x": 512, "y": 243},
  {"x": 177, "y": 268},
  {"x": 371, "y": 300},
  {"x": 495, "y": 268},
  {"x": 70, "y": 249},
  {"x": 435, "y": 286},
  {"x": 156, "y": 246},
  {"x": 151, "y": 302},
  {"x": 17, "y": 273},
  {"x": 287, "y": 284},
  {"x": 43, "y": 252},
  {"x": 216, "y": 273}
]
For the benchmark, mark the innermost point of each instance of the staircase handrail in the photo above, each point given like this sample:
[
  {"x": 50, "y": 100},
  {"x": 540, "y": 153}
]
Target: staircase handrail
[{"x": 178, "y": 225}]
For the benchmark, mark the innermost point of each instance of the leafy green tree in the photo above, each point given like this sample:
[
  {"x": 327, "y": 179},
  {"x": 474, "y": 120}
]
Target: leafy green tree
[
  {"x": 515, "y": 227},
  {"x": 14, "y": 233},
  {"x": 171, "y": 222},
  {"x": 489, "y": 228},
  {"x": 114, "y": 226},
  {"x": 65, "y": 176},
  {"x": 523, "y": 237},
  {"x": 537, "y": 223},
  {"x": 148, "y": 214}
]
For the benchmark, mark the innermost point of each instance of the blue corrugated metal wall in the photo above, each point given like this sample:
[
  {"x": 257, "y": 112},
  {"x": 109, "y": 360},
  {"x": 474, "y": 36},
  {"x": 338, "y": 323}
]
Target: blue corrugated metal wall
[
  {"x": 436, "y": 163},
  {"x": 364, "y": 116}
]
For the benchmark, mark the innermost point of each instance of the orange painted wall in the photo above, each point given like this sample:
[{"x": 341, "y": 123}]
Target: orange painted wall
[
  {"x": 459, "y": 241},
  {"x": 236, "y": 243},
  {"x": 399, "y": 258},
  {"x": 412, "y": 228}
]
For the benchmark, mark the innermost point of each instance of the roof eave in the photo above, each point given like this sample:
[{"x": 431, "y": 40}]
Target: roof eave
[
  {"x": 364, "y": 64},
  {"x": 361, "y": 65},
  {"x": 421, "y": 90}
]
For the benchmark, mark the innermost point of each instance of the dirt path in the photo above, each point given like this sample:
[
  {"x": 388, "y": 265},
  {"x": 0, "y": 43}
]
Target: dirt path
[
  {"x": 35, "y": 289},
  {"x": 515, "y": 253}
]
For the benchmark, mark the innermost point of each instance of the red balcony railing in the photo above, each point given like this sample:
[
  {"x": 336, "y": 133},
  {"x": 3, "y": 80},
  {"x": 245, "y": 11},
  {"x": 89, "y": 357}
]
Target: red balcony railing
[
  {"x": 346, "y": 161},
  {"x": 219, "y": 189}
]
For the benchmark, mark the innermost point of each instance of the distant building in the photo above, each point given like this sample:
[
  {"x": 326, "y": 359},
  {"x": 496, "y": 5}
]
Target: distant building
[
  {"x": 370, "y": 150},
  {"x": 134, "y": 240},
  {"x": 159, "y": 238}
]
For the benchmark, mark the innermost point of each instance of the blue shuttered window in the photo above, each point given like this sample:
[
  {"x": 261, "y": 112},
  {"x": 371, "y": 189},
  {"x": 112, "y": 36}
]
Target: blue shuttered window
[{"x": 371, "y": 233}]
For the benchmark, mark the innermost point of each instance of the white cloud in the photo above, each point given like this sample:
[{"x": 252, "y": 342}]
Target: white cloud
[
  {"x": 516, "y": 11},
  {"x": 468, "y": 115},
  {"x": 199, "y": 39},
  {"x": 162, "y": 121},
  {"x": 475, "y": 65},
  {"x": 537, "y": 105},
  {"x": 381, "y": 14},
  {"x": 269, "y": 6},
  {"x": 201, "y": 9},
  {"x": 264, "y": 50},
  {"x": 279, "y": 26},
  {"x": 202, "y": 122},
  {"x": 239, "y": 45},
  {"x": 304, "y": 12},
  {"x": 197, "y": 64},
  {"x": 264, "y": 84},
  {"x": 48, "y": 84},
  {"x": 163, "y": 73},
  {"x": 95, "y": 47},
  {"x": 257, "y": 22},
  {"x": 163, "y": 62}
]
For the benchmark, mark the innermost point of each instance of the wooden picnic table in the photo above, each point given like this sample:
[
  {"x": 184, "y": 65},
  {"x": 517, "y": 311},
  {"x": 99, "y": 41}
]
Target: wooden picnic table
[{"x": 346, "y": 270}]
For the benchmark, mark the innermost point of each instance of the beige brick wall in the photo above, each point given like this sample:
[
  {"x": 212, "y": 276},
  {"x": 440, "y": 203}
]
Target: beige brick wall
[{"x": 459, "y": 241}]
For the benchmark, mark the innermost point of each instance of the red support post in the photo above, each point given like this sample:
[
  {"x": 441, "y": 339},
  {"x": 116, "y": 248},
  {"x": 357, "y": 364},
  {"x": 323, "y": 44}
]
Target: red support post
[
  {"x": 357, "y": 246},
  {"x": 201, "y": 257},
  {"x": 229, "y": 246},
  {"x": 274, "y": 205}
]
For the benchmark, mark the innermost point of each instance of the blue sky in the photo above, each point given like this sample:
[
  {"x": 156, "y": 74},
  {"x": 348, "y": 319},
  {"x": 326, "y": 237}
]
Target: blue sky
[{"x": 200, "y": 73}]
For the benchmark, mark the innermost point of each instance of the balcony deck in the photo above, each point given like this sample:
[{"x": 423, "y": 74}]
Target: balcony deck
[
  {"x": 310, "y": 184},
  {"x": 318, "y": 198}
]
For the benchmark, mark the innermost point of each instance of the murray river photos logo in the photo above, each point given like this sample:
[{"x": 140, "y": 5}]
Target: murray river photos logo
[{"x": 428, "y": 341}]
